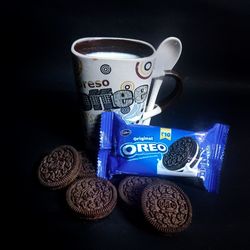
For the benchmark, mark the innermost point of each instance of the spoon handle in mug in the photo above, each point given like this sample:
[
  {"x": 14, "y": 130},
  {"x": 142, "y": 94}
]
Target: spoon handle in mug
[{"x": 176, "y": 92}]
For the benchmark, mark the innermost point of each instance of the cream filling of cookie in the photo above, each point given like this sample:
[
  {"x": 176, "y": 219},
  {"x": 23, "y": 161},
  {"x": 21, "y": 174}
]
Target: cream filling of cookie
[
  {"x": 187, "y": 170},
  {"x": 188, "y": 165}
]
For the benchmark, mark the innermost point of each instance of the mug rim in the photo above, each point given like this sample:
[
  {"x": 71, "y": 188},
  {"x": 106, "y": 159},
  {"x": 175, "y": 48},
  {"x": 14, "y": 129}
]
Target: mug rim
[{"x": 86, "y": 56}]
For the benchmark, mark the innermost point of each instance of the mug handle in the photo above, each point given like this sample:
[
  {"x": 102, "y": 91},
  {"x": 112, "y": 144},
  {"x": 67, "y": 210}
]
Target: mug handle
[{"x": 154, "y": 109}]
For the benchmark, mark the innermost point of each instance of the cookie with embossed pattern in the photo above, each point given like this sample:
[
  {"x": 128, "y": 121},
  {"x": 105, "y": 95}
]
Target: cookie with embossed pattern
[
  {"x": 131, "y": 187},
  {"x": 87, "y": 168},
  {"x": 92, "y": 198},
  {"x": 60, "y": 167},
  {"x": 183, "y": 152},
  {"x": 166, "y": 207}
]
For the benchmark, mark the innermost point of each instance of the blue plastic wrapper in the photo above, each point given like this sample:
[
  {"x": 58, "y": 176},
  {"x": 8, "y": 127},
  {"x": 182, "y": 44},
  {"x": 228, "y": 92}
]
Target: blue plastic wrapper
[{"x": 152, "y": 151}]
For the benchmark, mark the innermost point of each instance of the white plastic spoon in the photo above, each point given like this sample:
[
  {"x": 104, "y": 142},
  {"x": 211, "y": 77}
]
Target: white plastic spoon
[{"x": 167, "y": 55}]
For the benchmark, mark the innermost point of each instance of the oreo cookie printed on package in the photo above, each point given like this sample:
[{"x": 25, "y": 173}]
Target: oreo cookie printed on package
[{"x": 152, "y": 151}]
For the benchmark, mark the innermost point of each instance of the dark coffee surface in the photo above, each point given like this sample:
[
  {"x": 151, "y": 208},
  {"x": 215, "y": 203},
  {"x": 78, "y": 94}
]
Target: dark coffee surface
[{"x": 44, "y": 107}]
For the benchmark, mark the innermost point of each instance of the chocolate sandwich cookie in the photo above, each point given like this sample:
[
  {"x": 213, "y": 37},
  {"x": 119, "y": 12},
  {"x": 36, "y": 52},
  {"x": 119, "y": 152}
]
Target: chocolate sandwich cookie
[
  {"x": 92, "y": 198},
  {"x": 60, "y": 167},
  {"x": 181, "y": 152},
  {"x": 87, "y": 168},
  {"x": 166, "y": 207},
  {"x": 131, "y": 187}
]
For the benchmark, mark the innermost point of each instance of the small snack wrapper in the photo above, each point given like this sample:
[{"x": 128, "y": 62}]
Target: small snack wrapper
[{"x": 153, "y": 151}]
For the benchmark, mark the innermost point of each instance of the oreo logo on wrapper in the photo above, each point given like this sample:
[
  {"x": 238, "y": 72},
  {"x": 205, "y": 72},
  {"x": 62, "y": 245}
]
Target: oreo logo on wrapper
[
  {"x": 132, "y": 149},
  {"x": 153, "y": 151}
]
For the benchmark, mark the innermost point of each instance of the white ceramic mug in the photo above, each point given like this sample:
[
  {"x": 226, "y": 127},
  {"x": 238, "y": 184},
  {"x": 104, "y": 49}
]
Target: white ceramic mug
[{"x": 116, "y": 74}]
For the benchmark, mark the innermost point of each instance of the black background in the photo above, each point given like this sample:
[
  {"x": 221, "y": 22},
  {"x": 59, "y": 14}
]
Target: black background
[{"x": 215, "y": 67}]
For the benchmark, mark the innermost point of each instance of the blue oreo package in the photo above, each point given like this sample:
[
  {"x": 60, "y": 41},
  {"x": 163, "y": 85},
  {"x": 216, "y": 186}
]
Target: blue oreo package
[{"x": 152, "y": 151}]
